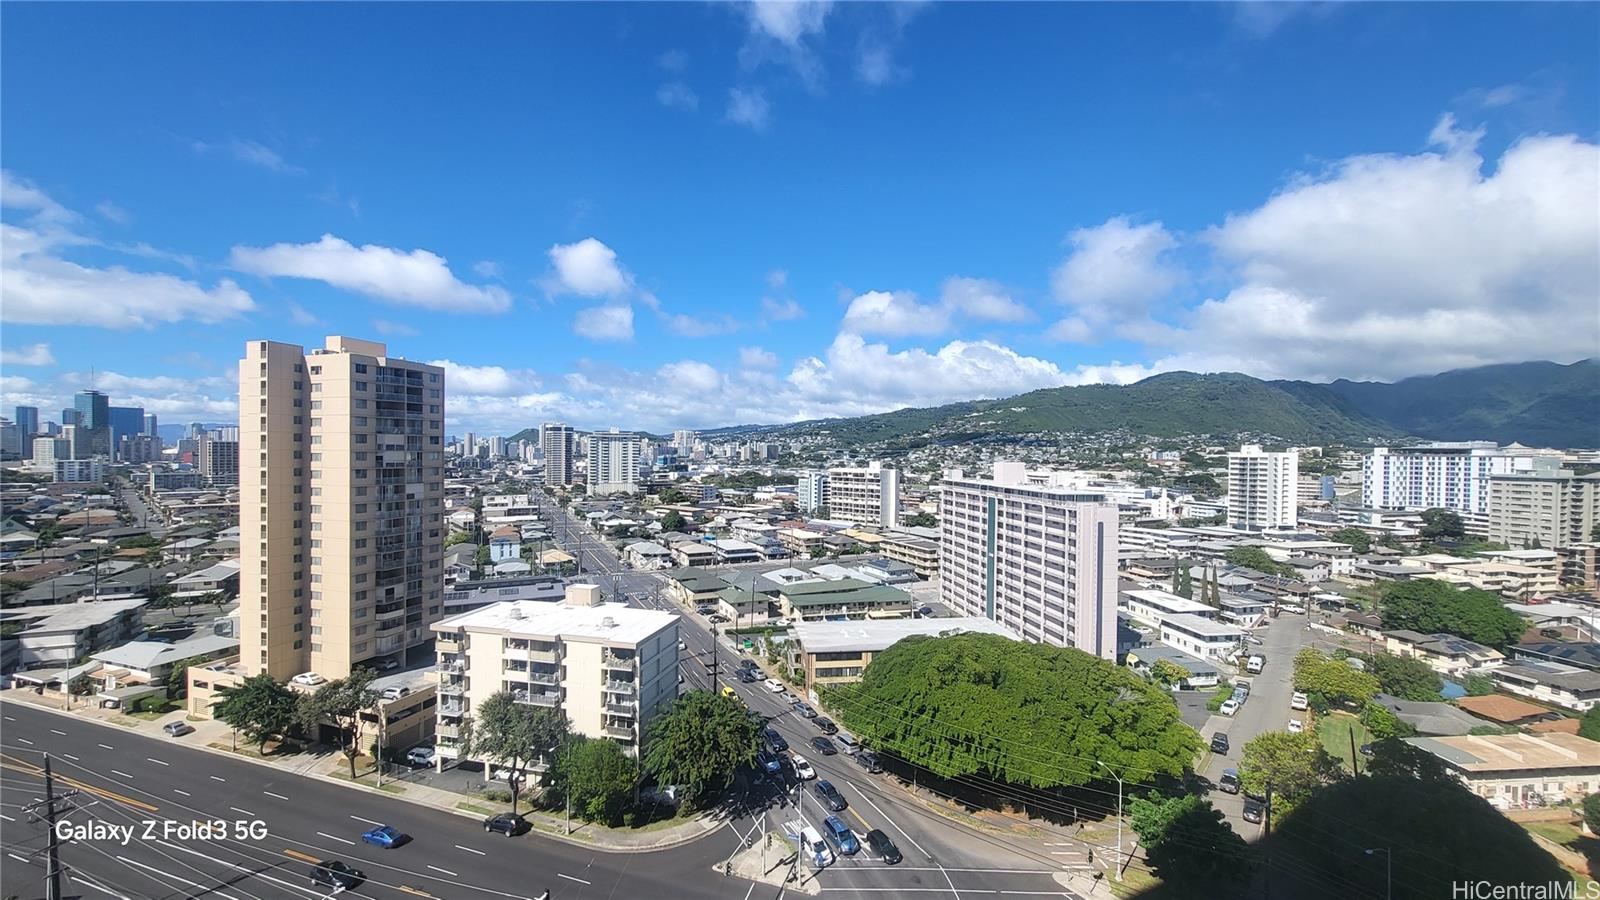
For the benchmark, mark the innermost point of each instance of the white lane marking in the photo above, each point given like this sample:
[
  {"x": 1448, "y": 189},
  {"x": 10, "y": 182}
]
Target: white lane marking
[
  {"x": 368, "y": 821},
  {"x": 6, "y": 817},
  {"x": 217, "y": 778},
  {"x": 133, "y": 862},
  {"x": 62, "y": 733},
  {"x": 952, "y": 884},
  {"x": 255, "y": 874},
  {"x": 446, "y": 871},
  {"x": 17, "y": 858},
  {"x": 244, "y": 812},
  {"x": 570, "y": 878},
  {"x": 71, "y": 757},
  {"x": 91, "y": 884},
  {"x": 470, "y": 850},
  {"x": 271, "y": 794},
  {"x": 107, "y": 747},
  {"x": 156, "y": 761},
  {"x": 123, "y": 774},
  {"x": 25, "y": 741},
  {"x": 334, "y": 838},
  {"x": 9, "y": 719},
  {"x": 184, "y": 793},
  {"x": 896, "y": 825}
]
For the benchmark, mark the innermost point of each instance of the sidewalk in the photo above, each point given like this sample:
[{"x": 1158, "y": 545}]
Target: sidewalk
[{"x": 329, "y": 765}]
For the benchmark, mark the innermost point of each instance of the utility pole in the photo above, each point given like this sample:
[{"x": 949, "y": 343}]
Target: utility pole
[
  {"x": 1102, "y": 765},
  {"x": 52, "y": 850}
]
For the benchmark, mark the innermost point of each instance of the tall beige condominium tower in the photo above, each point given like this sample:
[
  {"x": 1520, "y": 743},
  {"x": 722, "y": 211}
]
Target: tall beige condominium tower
[{"x": 341, "y": 504}]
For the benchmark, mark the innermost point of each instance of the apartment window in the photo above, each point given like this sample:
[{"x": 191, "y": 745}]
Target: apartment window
[
  {"x": 298, "y": 627},
  {"x": 315, "y": 438},
  {"x": 361, "y": 526},
  {"x": 360, "y": 596},
  {"x": 298, "y": 404},
  {"x": 297, "y": 454},
  {"x": 316, "y": 404},
  {"x": 316, "y": 422},
  {"x": 315, "y": 509},
  {"x": 361, "y": 492},
  {"x": 316, "y": 370},
  {"x": 361, "y": 507},
  {"x": 297, "y": 645},
  {"x": 359, "y": 473},
  {"x": 361, "y": 439},
  {"x": 361, "y": 387},
  {"x": 315, "y": 647},
  {"x": 359, "y": 648},
  {"x": 361, "y": 560},
  {"x": 433, "y": 377},
  {"x": 361, "y": 456},
  {"x": 361, "y": 368},
  {"x": 316, "y": 630},
  {"x": 316, "y": 387},
  {"x": 359, "y": 630},
  {"x": 297, "y": 489},
  {"x": 433, "y": 409},
  {"x": 435, "y": 394},
  {"x": 361, "y": 404},
  {"x": 297, "y": 505},
  {"x": 315, "y": 560}
]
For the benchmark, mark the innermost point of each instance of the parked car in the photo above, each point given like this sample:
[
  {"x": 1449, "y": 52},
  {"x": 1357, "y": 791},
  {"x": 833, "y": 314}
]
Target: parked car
[
  {"x": 394, "y": 692},
  {"x": 879, "y": 845},
  {"x": 802, "y": 769},
  {"x": 824, "y": 745},
  {"x": 420, "y": 756},
  {"x": 804, "y": 710},
  {"x": 868, "y": 760},
  {"x": 1219, "y": 743},
  {"x": 830, "y": 796},
  {"x": 1229, "y": 782},
  {"x": 506, "y": 824},
  {"x": 177, "y": 729},
  {"x": 769, "y": 762},
  {"x": 1253, "y": 810},
  {"x": 1298, "y": 701},
  {"x": 1229, "y": 707},
  {"x": 386, "y": 836},
  {"x": 749, "y": 676},
  {"x": 705, "y": 609},
  {"x": 815, "y": 848},
  {"x": 824, "y": 725},
  {"x": 1296, "y": 726},
  {"x": 775, "y": 741},
  {"x": 388, "y": 665},
  {"x": 774, "y": 685},
  {"x": 840, "y": 836},
  {"x": 335, "y": 874},
  {"x": 848, "y": 742},
  {"x": 716, "y": 618},
  {"x": 309, "y": 679}
]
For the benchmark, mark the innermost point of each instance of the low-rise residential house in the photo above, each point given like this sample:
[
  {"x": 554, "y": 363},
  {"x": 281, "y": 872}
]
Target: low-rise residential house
[
  {"x": 732, "y": 552},
  {"x": 505, "y": 544},
  {"x": 56, "y": 635},
  {"x": 1584, "y": 655},
  {"x": 1201, "y": 674},
  {"x": 693, "y": 586},
  {"x": 838, "y": 652},
  {"x": 1547, "y": 682},
  {"x": 466, "y": 594},
  {"x": 918, "y": 552},
  {"x": 1429, "y": 718},
  {"x": 1245, "y": 612},
  {"x": 1309, "y": 570},
  {"x": 647, "y": 555},
  {"x": 460, "y": 561},
  {"x": 692, "y": 554},
  {"x": 1152, "y": 607},
  {"x": 1502, "y": 709},
  {"x": 1199, "y": 636},
  {"x": 151, "y": 662},
  {"x": 1515, "y": 771},
  {"x": 1579, "y": 566},
  {"x": 885, "y": 571},
  {"x": 1445, "y": 653},
  {"x": 801, "y": 543},
  {"x": 220, "y": 578},
  {"x": 847, "y": 598}
]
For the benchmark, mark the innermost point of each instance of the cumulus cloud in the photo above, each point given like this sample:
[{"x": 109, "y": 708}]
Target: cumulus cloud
[
  {"x": 893, "y": 314},
  {"x": 416, "y": 278},
  {"x": 17, "y": 192},
  {"x": 677, "y": 95},
  {"x": 757, "y": 358},
  {"x": 31, "y": 355},
  {"x": 982, "y": 299},
  {"x": 1116, "y": 269},
  {"x": 1072, "y": 330},
  {"x": 749, "y": 107},
  {"x": 488, "y": 268},
  {"x": 1386, "y": 265},
  {"x": 588, "y": 268},
  {"x": 494, "y": 381},
  {"x": 606, "y": 322},
  {"x": 699, "y": 326}
]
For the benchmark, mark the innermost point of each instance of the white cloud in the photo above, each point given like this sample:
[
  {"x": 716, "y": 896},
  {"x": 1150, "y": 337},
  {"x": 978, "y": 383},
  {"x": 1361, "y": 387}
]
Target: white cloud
[
  {"x": 606, "y": 322},
  {"x": 391, "y": 328},
  {"x": 1504, "y": 95},
  {"x": 1116, "y": 269},
  {"x": 1386, "y": 265},
  {"x": 749, "y": 107},
  {"x": 691, "y": 374},
  {"x": 112, "y": 212},
  {"x": 788, "y": 21},
  {"x": 677, "y": 95},
  {"x": 857, "y": 377},
  {"x": 494, "y": 381},
  {"x": 894, "y": 314},
  {"x": 301, "y": 316},
  {"x": 757, "y": 358},
  {"x": 982, "y": 299},
  {"x": 694, "y": 326},
  {"x": 588, "y": 268},
  {"x": 488, "y": 268},
  {"x": 1446, "y": 136},
  {"x": 1072, "y": 330},
  {"x": 31, "y": 355},
  {"x": 777, "y": 279},
  {"x": 784, "y": 310},
  {"x": 17, "y": 192},
  {"x": 40, "y": 288},
  {"x": 250, "y": 152},
  {"x": 416, "y": 278}
]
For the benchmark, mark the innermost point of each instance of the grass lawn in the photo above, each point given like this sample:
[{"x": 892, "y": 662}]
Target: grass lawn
[
  {"x": 1567, "y": 835},
  {"x": 1334, "y": 731}
]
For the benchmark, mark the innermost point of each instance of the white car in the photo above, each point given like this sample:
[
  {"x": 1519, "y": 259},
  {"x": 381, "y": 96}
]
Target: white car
[
  {"x": 1229, "y": 707},
  {"x": 802, "y": 769},
  {"x": 1296, "y": 726},
  {"x": 774, "y": 685},
  {"x": 1298, "y": 701},
  {"x": 310, "y": 679}
]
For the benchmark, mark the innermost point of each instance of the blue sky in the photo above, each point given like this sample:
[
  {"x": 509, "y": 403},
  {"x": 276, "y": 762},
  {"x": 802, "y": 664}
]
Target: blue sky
[{"x": 686, "y": 215}]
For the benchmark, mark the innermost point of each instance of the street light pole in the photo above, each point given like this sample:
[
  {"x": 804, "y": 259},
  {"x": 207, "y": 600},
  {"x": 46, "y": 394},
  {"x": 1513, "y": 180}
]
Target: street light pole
[
  {"x": 1388, "y": 870},
  {"x": 1102, "y": 765}
]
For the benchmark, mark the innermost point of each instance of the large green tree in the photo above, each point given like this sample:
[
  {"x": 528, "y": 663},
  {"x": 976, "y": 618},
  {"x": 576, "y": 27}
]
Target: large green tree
[
  {"x": 1293, "y": 764},
  {"x": 1383, "y": 723},
  {"x": 672, "y": 521},
  {"x": 1442, "y": 524},
  {"x": 1334, "y": 679},
  {"x": 595, "y": 777},
  {"x": 698, "y": 742},
  {"x": 340, "y": 701},
  {"x": 1258, "y": 559},
  {"x": 514, "y": 736},
  {"x": 1023, "y": 713},
  {"x": 1359, "y": 540},
  {"x": 1432, "y": 606},
  {"x": 1404, "y": 677},
  {"x": 1589, "y": 725},
  {"x": 1190, "y": 846},
  {"x": 259, "y": 707},
  {"x": 1591, "y": 812}
]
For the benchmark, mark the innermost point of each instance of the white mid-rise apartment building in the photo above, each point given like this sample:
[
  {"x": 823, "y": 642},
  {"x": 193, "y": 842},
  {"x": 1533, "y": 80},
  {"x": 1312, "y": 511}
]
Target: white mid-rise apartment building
[
  {"x": 869, "y": 495},
  {"x": 1263, "y": 489},
  {"x": 1445, "y": 475},
  {"x": 556, "y": 440},
  {"x": 609, "y": 668},
  {"x": 1032, "y": 552},
  {"x": 341, "y": 506},
  {"x": 811, "y": 491},
  {"x": 685, "y": 440},
  {"x": 613, "y": 462},
  {"x": 1552, "y": 509}
]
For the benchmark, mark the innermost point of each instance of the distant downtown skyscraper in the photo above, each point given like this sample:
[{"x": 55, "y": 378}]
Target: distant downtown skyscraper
[
  {"x": 341, "y": 486},
  {"x": 556, "y": 439},
  {"x": 94, "y": 415},
  {"x": 613, "y": 462},
  {"x": 27, "y": 418}
]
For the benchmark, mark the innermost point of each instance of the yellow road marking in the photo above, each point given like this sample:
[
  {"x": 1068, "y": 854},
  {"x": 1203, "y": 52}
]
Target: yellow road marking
[
  {"x": 28, "y": 768},
  {"x": 411, "y": 890},
  {"x": 859, "y": 819},
  {"x": 303, "y": 857}
]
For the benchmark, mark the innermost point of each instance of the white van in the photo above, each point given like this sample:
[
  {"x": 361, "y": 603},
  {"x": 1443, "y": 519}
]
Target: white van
[
  {"x": 1299, "y": 701},
  {"x": 815, "y": 848},
  {"x": 848, "y": 742},
  {"x": 1229, "y": 707},
  {"x": 1255, "y": 664}
]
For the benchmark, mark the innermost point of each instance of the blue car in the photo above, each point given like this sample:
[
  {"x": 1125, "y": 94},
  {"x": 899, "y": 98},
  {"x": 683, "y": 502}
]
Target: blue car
[
  {"x": 840, "y": 836},
  {"x": 385, "y": 836}
]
